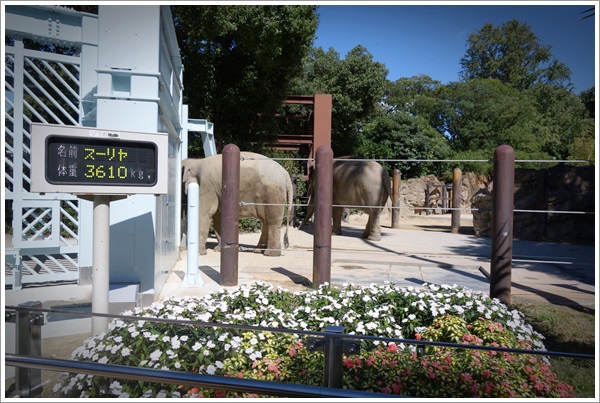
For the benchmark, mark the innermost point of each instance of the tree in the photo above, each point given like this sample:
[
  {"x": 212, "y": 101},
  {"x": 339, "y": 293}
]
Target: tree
[
  {"x": 512, "y": 54},
  {"x": 484, "y": 113},
  {"x": 562, "y": 117},
  {"x": 398, "y": 135},
  {"x": 239, "y": 61},
  {"x": 418, "y": 96},
  {"x": 356, "y": 85}
]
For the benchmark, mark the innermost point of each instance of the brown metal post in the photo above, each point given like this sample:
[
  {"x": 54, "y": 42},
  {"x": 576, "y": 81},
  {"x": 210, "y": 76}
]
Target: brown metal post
[
  {"x": 230, "y": 215},
  {"x": 502, "y": 223},
  {"x": 456, "y": 193},
  {"x": 396, "y": 199},
  {"x": 321, "y": 122},
  {"x": 323, "y": 199}
]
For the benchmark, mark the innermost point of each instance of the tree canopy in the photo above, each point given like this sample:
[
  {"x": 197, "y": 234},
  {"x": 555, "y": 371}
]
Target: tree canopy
[
  {"x": 239, "y": 61},
  {"x": 512, "y": 54}
]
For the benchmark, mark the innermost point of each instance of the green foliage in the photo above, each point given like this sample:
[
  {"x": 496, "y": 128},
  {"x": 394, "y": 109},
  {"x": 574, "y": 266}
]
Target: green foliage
[
  {"x": 399, "y": 135},
  {"x": 513, "y": 55},
  {"x": 356, "y": 85},
  {"x": 562, "y": 117},
  {"x": 239, "y": 62},
  {"x": 435, "y": 313},
  {"x": 484, "y": 114},
  {"x": 458, "y": 373}
]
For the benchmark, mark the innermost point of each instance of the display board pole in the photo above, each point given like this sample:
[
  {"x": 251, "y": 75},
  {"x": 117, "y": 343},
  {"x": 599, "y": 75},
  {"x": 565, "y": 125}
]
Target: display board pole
[{"x": 100, "y": 260}]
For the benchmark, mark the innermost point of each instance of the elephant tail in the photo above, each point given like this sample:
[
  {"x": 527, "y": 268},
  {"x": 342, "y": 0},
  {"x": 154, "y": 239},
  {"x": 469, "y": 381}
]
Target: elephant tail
[{"x": 290, "y": 199}]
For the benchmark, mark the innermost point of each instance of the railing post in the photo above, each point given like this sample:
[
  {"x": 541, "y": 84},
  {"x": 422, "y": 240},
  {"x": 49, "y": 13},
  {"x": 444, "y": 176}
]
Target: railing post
[
  {"x": 230, "y": 215},
  {"x": 323, "y": 196},
  {"x": 456, "y": 193},
  {"x": 333, "y": 348},
  {"x": 396, "y": 199},
  {"x": 28, "y": 382},
  {"x": 502, "y": 223}
]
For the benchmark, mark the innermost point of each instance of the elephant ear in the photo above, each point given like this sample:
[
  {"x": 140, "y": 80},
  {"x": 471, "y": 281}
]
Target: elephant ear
[{"x": 187, "y": 178}]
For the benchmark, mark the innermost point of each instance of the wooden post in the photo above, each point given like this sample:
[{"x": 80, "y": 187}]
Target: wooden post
[
  {"x": 502, "y": 223},
  {"x": 396, "y": 199},
  {"x": 230, "y": 215},
  {"x": 323, "y": 199},
  {"x": 456, "y": 190}
]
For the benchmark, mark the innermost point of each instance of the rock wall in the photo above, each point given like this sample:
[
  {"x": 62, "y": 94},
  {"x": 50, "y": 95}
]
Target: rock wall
[
  {"x": 412, "y": 194},
  {"x": 560, "y": 188}
]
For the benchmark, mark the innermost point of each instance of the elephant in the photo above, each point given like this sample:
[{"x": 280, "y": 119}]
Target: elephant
[
  {"x": 262, "y": 181},
  {"x": 358, "y": 184}
]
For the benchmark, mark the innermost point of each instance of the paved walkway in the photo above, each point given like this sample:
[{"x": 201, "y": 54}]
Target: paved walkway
[
  {"x": 409, "y": 256},
  {"x": 556, "y": 273}
]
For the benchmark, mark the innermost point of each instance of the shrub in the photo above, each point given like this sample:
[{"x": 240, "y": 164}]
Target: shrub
[{"x": 436, "y": 313}]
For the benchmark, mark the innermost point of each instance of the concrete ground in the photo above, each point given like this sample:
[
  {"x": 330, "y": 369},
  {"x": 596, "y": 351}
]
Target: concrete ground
[{"x": 421, "y": 251}]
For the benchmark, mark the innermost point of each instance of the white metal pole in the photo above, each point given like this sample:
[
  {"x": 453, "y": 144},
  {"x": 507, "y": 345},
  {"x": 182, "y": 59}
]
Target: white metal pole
[
  {"x": 192, "y": 277},
  {"x": 101, "y": 257}
]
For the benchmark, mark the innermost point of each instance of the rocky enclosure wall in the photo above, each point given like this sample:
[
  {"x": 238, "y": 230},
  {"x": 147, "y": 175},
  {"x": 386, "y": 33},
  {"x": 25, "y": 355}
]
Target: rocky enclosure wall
[{"x": 560, "y": 188}]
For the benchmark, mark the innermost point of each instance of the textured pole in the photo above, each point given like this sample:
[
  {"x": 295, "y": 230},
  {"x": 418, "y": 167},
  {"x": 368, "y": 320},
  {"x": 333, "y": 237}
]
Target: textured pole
[
  {"x": 456, "y": 191},
  {"x": 502, "y": 223},
  {"x": 396, "y": 199},
  {"x": 192, "y": 277},
  {"x": 100, "y": 262},
  {"x": 323, "y": 199},
  {"x": 230, "y": 215}
]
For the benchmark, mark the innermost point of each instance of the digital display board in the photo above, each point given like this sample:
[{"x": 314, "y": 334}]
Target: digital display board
[
  {"x": 87, "y": 161},
  {"x": 76, "y": 160}
]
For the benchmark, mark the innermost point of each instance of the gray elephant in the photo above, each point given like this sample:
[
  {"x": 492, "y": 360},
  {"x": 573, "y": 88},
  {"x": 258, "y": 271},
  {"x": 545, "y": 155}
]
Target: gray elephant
[
  {"x": 262, "y": 181},
  {"x": 358, "y": 184}
]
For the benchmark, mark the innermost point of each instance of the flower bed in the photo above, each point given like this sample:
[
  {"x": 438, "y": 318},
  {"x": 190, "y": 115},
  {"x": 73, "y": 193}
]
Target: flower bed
[{"x": 437, "y": 313}]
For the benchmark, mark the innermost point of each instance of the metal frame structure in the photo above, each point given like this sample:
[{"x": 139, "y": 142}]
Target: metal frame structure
[{"x": 109, "y": 71}]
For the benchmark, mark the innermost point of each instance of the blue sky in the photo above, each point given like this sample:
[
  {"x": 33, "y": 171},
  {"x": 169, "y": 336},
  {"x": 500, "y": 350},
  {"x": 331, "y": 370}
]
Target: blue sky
[{"x": 431, "y": 38}]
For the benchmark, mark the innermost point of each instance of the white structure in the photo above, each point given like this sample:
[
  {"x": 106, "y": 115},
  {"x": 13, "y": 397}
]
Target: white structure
[{"x": 118, "y": 70}]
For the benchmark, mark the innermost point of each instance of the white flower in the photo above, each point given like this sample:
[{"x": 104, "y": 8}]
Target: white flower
[
  {"x": 210, "y": 370},
  {"x": 197, "y": 346},
  {"x": 125, "y": 352},
  {"x": 155, "y": 355}
]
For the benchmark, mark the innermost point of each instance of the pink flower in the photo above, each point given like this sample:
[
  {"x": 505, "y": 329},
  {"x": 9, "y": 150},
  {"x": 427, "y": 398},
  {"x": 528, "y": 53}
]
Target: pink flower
[
  {"x": 392, "y": 347},
  {"x": 349, "y": 363}
]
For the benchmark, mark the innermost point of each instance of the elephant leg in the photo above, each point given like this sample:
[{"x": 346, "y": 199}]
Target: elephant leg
[
  {"x": 203, "y": 233},
  {"x": 373, "y": 230},
  {"x": 337, "y": 220},
  {"x": 264, "y": 236},
  {"x": 273, "y": 247},
  {"x": 217, "y": 224}
]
